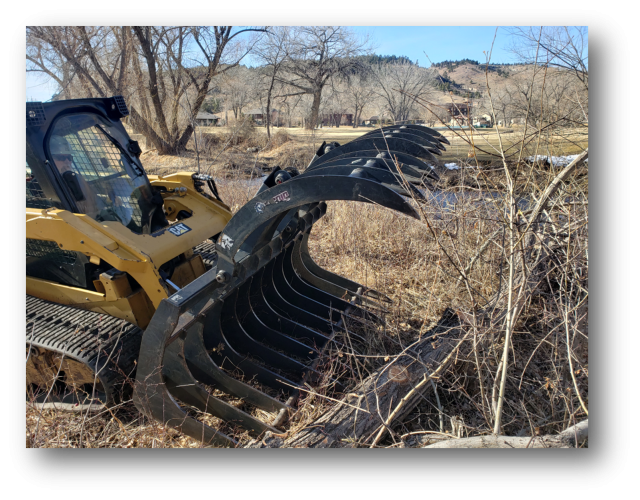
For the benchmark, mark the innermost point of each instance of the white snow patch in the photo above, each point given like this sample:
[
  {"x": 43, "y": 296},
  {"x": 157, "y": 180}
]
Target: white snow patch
[
  {"x": 452, "y": 166},
  {"x": 557, "y": 161}
]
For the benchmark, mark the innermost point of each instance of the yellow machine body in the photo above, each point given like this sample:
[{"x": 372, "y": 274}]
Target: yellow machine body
[{"x": 138, "y": 255}]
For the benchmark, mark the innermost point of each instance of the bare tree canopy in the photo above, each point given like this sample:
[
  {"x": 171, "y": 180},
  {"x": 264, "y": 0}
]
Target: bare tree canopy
[
  {"x": 315, "y": 55},
  {"x": 398, "y": 85},
  {"x": 164, "y": 72},
  {"x": 560, "y": 46}
]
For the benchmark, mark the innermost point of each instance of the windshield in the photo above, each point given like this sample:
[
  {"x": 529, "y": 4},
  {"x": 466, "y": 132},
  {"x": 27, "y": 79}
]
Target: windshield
[{"x": 104, "y": 182}]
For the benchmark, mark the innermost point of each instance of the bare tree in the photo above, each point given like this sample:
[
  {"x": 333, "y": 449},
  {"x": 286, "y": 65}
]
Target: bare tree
[
  {"x": 399, "y": 85},
  {"x": 237, "y": 88},
  {"x": 272, "y": 51},
  {"x": 153, "y": 67},
  {"x": 315, "y": 55},
  {"x": 563, "y": 47},
  {"x": 360, "y": 92}
]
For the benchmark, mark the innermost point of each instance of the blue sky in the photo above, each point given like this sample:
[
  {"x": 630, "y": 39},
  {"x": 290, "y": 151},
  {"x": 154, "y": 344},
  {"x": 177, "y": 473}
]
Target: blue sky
[{"x": 440, "y": 43}]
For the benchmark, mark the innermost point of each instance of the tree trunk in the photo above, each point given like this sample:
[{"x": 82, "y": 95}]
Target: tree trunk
[
  {"x": 315, "y": 109},
  {"x": 569, "y": 438},
  {"x": 381, "y": 400}
]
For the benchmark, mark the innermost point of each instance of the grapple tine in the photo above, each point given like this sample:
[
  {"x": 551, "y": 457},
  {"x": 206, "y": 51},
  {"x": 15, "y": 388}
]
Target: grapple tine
[
  {"x": 206, "y": 371},
  {"x": 409, "y": 164},
  {"x": 151, "y": 395},
  {"x": 380, "y": 144},
  {"x": 262, "y": 333},
  {"x": 411, "y": 174},
  {"x": 384, "y": 177},
  {"x": 228, "y": 358},
  {"x": 410, "y": 132},
  {"x": 267, "y": 315},
  {"x": 284, "y": 308},
  {"x": 183, "y": 386},
  {"x": 299, "y": 191},
  {"x": 434, "y": 133},
  {"x": 312, "y": 279},
  {"x": 329, "y": 300},
  {"x": 243, "y": 343},
  {"x": 295, "y": 298},
  {"x": 429, "y": 144},
  {"x": 346, "y": 284}
]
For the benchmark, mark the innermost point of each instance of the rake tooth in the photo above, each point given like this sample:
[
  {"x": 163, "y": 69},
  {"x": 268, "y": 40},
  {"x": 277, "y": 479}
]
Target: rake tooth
[
  {"x": 329, "y": 300},
  {"x": 245, "y": 344},
  {"x": 385, "y": 177},
  {"x": 293, "y": 297},
  {"x": 259, "y": 331},
  {"x": 151, "y": 395},
  {"x": 347, "y": 285},
  {"x": 284, "y": 308},
  {"x": 183, "y": 386},
  {"x": 268, "y": 316},
  {"x": 379, "y": 144},
  {"x": 415, "y": 171},
  {"x": 225, "y": 356},
  {"x": 206, "y": 371}
]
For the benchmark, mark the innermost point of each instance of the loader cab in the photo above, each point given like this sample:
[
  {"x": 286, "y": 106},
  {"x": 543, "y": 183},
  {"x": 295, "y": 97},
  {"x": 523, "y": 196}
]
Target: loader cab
[
  {"x": 79, "y": 158},
  {"x": 101, "y": 178},
  {"x": 82, "y": 160}
]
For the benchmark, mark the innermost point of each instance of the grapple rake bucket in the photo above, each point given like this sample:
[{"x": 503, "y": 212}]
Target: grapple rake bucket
[{"x": 239, "y": 342}]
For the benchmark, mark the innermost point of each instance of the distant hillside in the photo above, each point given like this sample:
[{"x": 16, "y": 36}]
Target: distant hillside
[
  {"x": 466, "y": 78},
  {"x": 378, "y": 59}
]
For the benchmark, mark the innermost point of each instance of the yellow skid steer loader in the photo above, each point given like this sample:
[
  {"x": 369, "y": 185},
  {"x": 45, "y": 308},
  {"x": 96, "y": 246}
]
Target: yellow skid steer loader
[{"x": 152, "y": 278}]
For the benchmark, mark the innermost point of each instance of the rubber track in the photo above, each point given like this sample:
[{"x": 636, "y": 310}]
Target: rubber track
[{"x": 87, "y": 337}]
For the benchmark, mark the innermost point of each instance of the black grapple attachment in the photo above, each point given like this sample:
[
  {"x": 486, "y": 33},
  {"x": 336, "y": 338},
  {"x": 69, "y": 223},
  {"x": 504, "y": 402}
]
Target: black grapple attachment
[{"x": 240, "y": 342}]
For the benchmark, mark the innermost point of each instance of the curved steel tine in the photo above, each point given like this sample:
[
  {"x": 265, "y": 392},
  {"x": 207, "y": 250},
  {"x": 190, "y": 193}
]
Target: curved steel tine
[
  {"x": 284, "y": 308},
  {"x": 226, "y": 357},
  {"x": 429, "y": 145},
  {"x": 413, "y": 175},
  {"x": 336, "y": 303},
  {"x": 267, "y": 315},
  {"x": 388, "y": 157},
  {"x": 244, "y": 344},
  {"x": 423, "y": 135},
  {"x": 294, "y": 277},
  {"x": 288, "y": 293},
  {"x": 163, "y": 407},
  {"x": 151, "y": 395},
  {"x": 381, "y": 144},
  {"x": 324, "y": 285},
  {"x": 277, "y": 201},
  {"x": 432, "y": 132},
  {"x": 345, "y": 283},
  {"x": 386, "y": 178},
  {"x": 182, "y": 385},
  {"x": 206, "y": 371},
  {"x": 262, "y": 333}
]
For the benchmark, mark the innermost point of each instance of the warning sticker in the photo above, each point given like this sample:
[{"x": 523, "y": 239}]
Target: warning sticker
[
  {"x": 179, "y": 229},
  {"x": 226, "y": 242}
]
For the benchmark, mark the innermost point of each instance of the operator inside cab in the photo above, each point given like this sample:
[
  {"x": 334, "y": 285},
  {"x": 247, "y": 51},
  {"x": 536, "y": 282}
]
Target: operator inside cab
[{"x": 87, "y": 200}]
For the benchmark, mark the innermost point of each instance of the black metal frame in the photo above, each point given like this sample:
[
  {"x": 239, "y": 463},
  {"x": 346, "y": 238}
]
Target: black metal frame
[{"x": 267, "y": 311}]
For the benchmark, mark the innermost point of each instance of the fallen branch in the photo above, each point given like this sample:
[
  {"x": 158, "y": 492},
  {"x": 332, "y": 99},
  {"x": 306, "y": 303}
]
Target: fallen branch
[
  {"x": 569, "y": 438},
  {"x": 383, "y": 399}
]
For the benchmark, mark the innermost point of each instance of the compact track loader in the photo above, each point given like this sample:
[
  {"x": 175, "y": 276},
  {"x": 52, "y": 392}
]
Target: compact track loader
[{"x": 132, "y": 275}]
